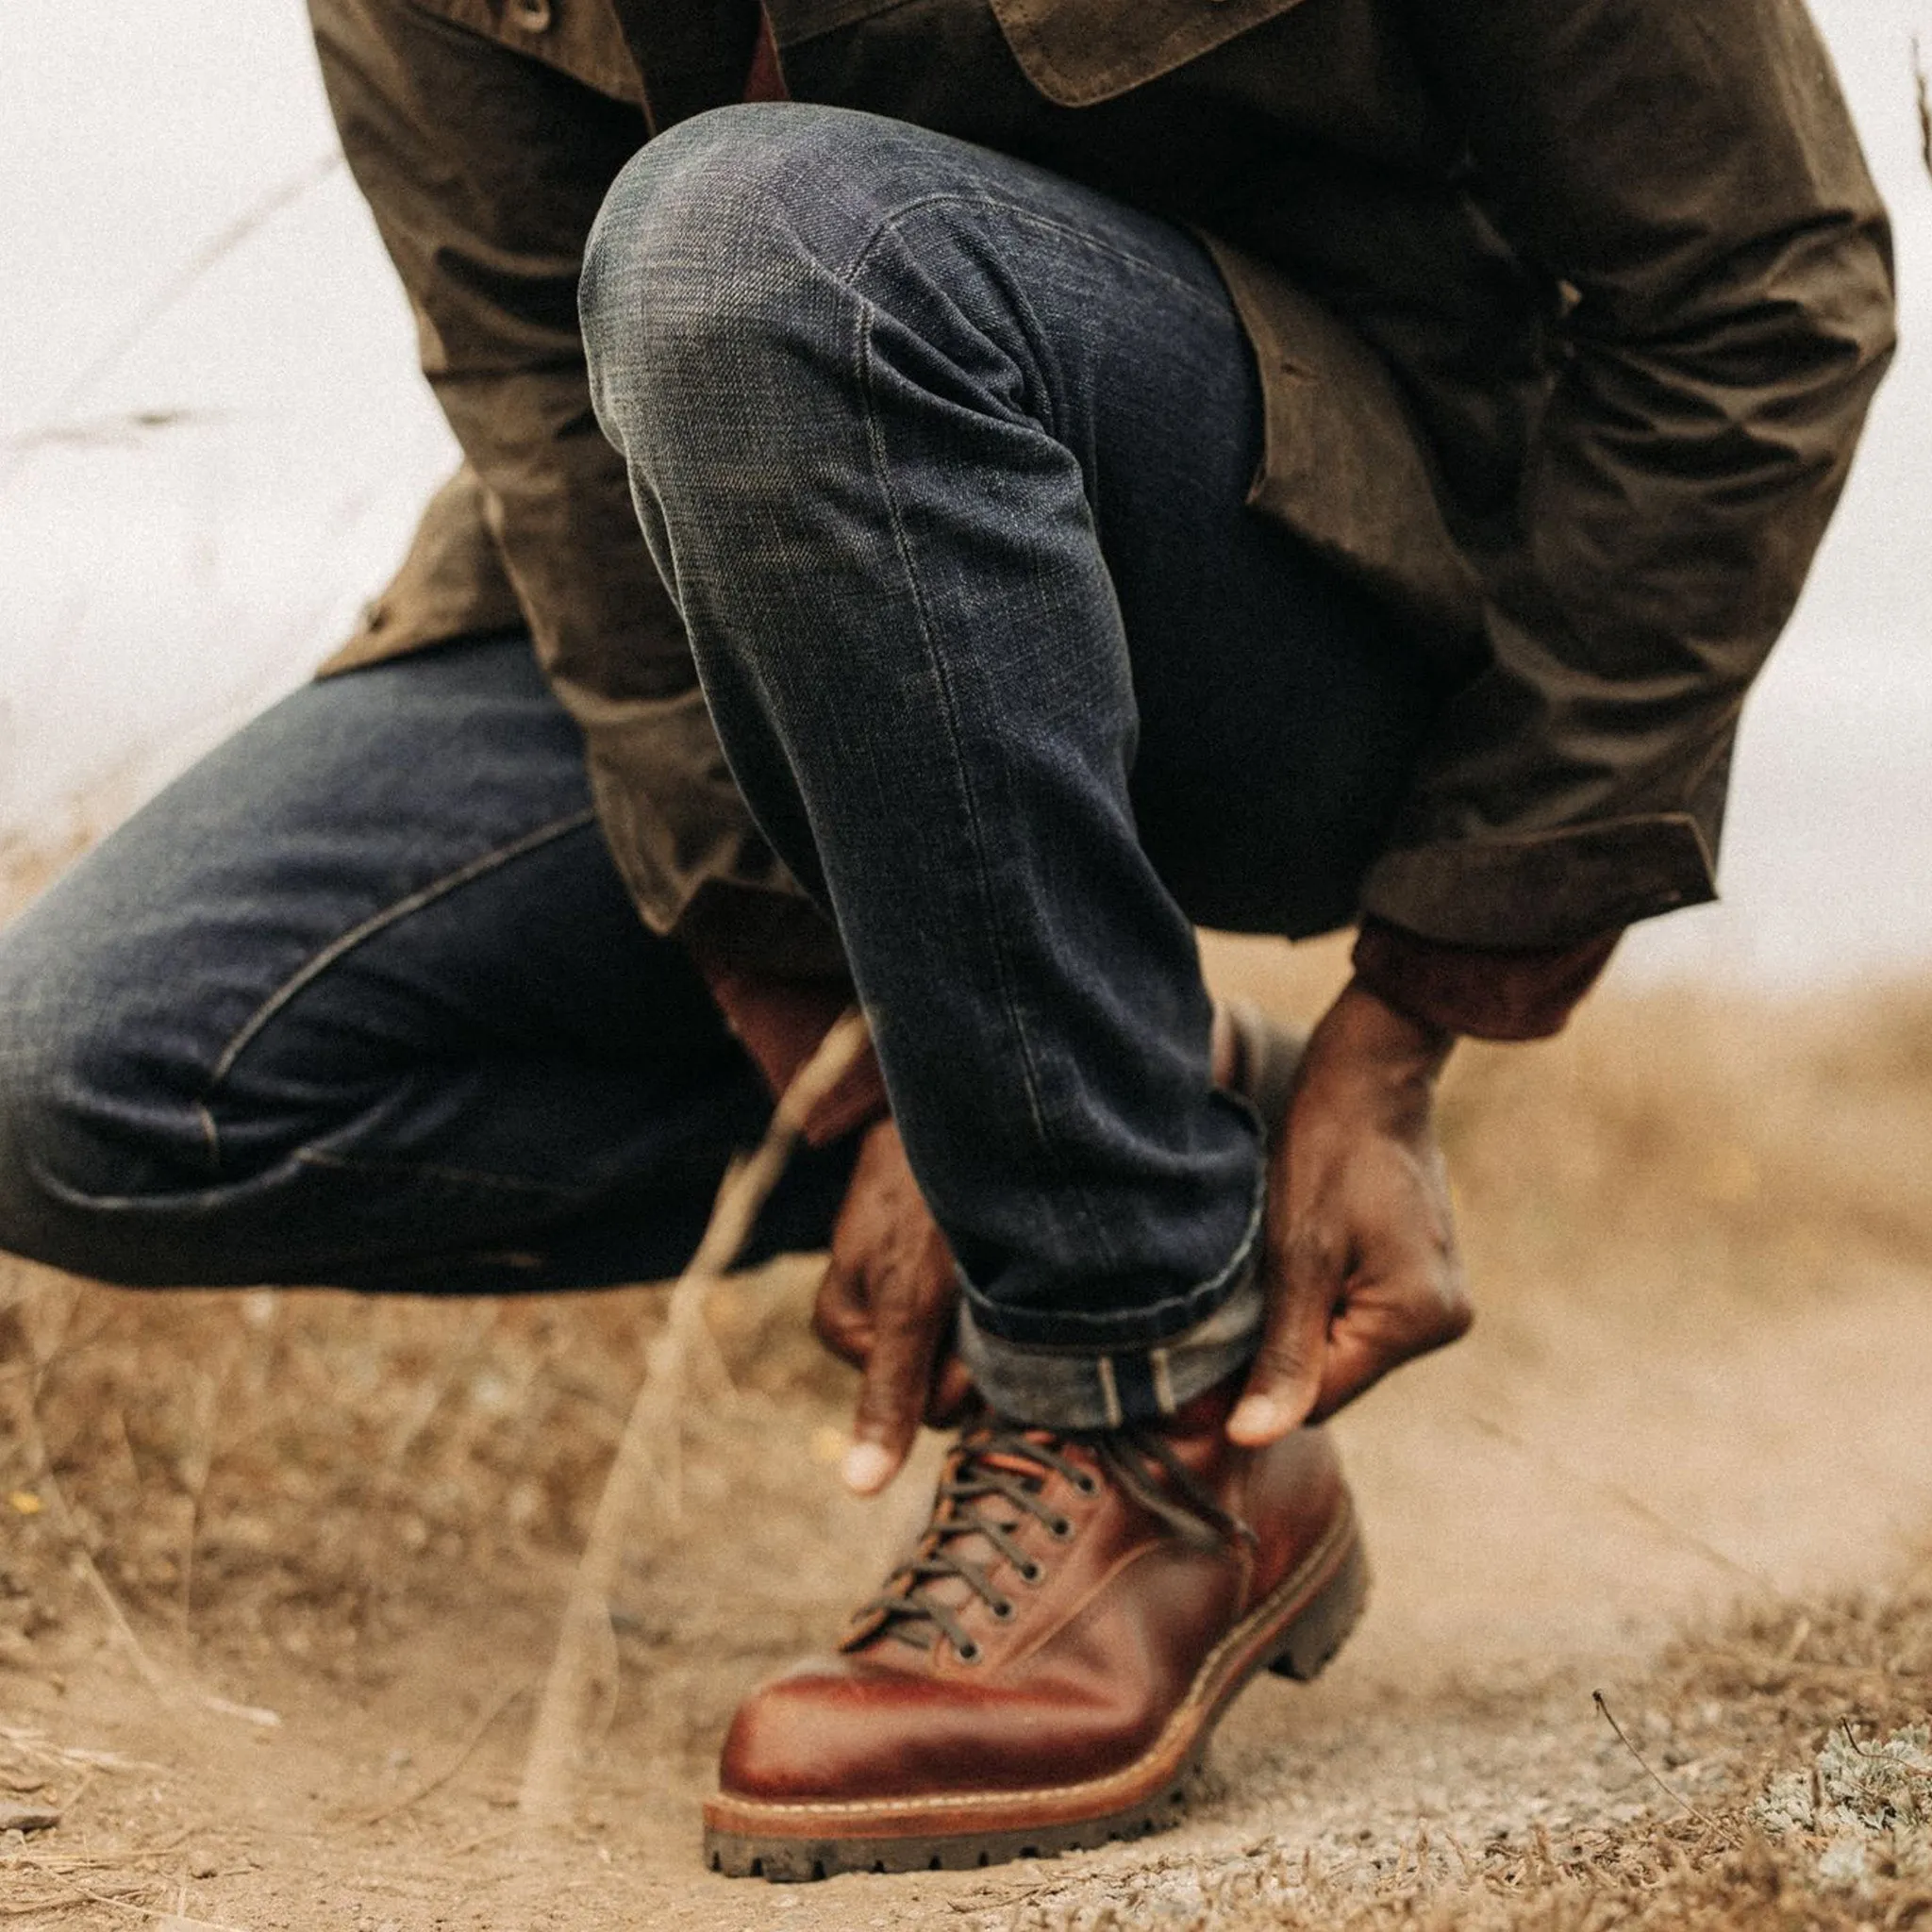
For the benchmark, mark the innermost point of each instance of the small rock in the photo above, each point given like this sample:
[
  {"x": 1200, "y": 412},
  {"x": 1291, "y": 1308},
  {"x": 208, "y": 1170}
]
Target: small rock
[
  {"x": 24, "y": 1818},
  {"x": 203, "y": 1867}
]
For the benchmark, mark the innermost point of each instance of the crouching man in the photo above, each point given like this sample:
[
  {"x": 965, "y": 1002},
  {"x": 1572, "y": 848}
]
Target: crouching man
[{"x": 1070, "y": 471}]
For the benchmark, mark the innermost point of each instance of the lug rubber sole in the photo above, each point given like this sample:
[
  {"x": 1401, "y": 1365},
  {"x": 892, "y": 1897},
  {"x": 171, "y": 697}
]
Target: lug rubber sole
[{"x": 1293, "y": 1633}]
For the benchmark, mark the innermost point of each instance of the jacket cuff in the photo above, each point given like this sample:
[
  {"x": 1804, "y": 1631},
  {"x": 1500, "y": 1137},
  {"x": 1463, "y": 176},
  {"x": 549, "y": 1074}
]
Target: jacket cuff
[
  {"x": 1533, "y": 890},
  {"x": 1520, "y": 993}
]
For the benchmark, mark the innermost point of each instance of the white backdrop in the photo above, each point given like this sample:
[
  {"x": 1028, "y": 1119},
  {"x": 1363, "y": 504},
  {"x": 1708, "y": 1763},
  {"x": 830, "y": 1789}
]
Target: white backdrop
[{"x": 201, "y": 474}]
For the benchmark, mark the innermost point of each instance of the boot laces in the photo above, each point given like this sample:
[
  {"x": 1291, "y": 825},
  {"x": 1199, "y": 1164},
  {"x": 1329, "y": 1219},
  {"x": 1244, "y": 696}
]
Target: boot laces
[{"x": 1005, "y": 1464}]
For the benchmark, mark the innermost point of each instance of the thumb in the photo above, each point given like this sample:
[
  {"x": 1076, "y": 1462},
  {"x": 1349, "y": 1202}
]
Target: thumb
[
  {"x": 951, "y": 1392},
  {"x": 891, "y": 1400},
  {"x": 1285, "y": 1377},
  {"x": 840, "y": 1317},
  {"x": 1354, "y": 1362}
]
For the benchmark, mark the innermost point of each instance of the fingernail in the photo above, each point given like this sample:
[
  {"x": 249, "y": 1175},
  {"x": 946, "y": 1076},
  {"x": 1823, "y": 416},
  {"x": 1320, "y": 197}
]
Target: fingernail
[
  {"x": 1256, "y": 1418},
  {"x": 867, "y": 1468}
]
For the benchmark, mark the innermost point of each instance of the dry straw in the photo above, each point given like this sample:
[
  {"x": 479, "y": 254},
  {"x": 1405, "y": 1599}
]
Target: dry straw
[{"x": 648, "y": 1451}]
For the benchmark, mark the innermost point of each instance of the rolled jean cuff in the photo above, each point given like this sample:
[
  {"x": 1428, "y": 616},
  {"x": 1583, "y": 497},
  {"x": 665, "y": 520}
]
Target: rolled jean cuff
[{"x": 1076, "y": 1388}]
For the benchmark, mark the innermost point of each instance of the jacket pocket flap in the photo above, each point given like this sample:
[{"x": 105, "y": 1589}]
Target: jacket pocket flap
[
  {"x": 1343, "y": 463},
  {"x": 580, "y": 37},
  {"x": 1078, "y": 52}
]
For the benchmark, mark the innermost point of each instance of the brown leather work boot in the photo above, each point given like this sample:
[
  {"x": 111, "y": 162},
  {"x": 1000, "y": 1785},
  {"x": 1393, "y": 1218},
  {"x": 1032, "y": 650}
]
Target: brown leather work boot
[{"x": 1044, "y": 1671}]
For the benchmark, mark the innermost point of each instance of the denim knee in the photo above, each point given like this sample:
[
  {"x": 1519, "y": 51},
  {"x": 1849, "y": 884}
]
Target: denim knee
[
  {"x": 87, "y": 1125},
  {"x": 735, "y": 235},
  {"x": 684, "y": 255}
]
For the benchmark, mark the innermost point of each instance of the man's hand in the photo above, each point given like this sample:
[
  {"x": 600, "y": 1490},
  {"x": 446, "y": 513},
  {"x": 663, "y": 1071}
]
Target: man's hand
[
  {"x": 886, "y": 1305},
  {"x": 1360, "y": 1263}
]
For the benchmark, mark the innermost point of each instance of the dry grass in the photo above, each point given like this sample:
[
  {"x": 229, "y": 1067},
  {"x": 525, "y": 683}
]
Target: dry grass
[
  {"x": 318, "y": 1471},
  {"x": 1774, "y": 1144}
]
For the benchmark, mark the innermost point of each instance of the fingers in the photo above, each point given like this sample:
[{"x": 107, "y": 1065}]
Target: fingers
[
  {"x": 1356, "y": 1360},
  {"x": 952, "y": 1394},
  {"x": 886, "y": 1306},
  {"x": 1285, "y": 1379},
  {"x": 893, "y": 1395},
  {"x": 1353, "y": 1364},
  {"x": 840, "y": 1317},
  {"x": 1389, "y": 1325},
  {"x": 1367, "y": 1328}
]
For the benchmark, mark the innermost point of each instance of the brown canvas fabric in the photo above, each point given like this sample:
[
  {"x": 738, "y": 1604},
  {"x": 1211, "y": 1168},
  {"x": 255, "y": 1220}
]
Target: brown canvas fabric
[
  {"x": 484, "y": 143},
  {"x": 1567, "y": 313},
  {"x": 452, "y": 583}
]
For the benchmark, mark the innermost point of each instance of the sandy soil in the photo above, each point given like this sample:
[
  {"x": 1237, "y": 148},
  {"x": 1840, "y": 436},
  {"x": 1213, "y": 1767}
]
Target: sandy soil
[{"x": 1695, "y": 1401}]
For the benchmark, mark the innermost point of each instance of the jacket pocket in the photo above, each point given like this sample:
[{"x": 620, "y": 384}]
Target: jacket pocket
[
  {"x": 794, "y": 21},
  {"x": 580, "y": 37},
  {"x": 1343, "y": 463},
  {"x": 1079, "y": 52}
]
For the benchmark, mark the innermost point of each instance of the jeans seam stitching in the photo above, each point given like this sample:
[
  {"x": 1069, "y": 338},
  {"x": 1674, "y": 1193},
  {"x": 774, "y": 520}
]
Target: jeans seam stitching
[
  {"x": 882, "y": 476},
  {"x": 889, "y": 225},
  {"x": 343, "y": 1163},
  {"x": 891, "y": 222},
  {"x": 253, "y": 1186},
  {"x": 344, "y": 944}
]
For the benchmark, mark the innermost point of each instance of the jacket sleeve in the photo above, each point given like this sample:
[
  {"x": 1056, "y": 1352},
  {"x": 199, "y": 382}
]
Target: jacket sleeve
[
  {"x": 484, "y": 162},
  {"x": 1688, "y": 177}
]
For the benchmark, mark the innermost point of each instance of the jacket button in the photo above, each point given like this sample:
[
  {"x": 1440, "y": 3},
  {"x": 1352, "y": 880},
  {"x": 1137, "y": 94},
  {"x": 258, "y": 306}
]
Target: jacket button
[{"x": 533, "y": 16}]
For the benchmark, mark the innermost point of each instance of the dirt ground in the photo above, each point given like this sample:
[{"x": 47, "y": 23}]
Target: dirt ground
[{"x": 280, "y": 1572}]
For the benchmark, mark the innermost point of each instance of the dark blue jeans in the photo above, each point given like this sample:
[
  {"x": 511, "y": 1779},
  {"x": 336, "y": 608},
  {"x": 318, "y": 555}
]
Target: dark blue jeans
[
  {"x": 360, "y": 1000},
  {"x": 944, "y": 460}
]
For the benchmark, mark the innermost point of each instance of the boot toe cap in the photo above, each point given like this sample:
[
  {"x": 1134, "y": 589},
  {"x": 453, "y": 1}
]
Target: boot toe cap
[{"x": 849, "y": 1730}]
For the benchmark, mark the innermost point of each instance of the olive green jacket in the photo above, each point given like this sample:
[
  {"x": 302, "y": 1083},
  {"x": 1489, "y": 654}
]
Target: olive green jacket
[{"x": 1567, "y": 313}]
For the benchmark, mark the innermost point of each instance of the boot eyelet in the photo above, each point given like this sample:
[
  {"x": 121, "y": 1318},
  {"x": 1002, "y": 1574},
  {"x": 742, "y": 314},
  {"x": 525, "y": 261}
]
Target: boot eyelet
[
  {"x": 1086, "y": 1485},
  {"x": 968, "y": 1653},
  {"x": 1031, "y": 1572},
  {"x": 1003, "y": 1610},
  {"x": 1061, "y": 1528}
]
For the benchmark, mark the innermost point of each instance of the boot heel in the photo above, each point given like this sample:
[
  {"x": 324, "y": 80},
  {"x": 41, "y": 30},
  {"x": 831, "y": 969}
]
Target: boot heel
[{"x": 1323, "y": 1627}]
